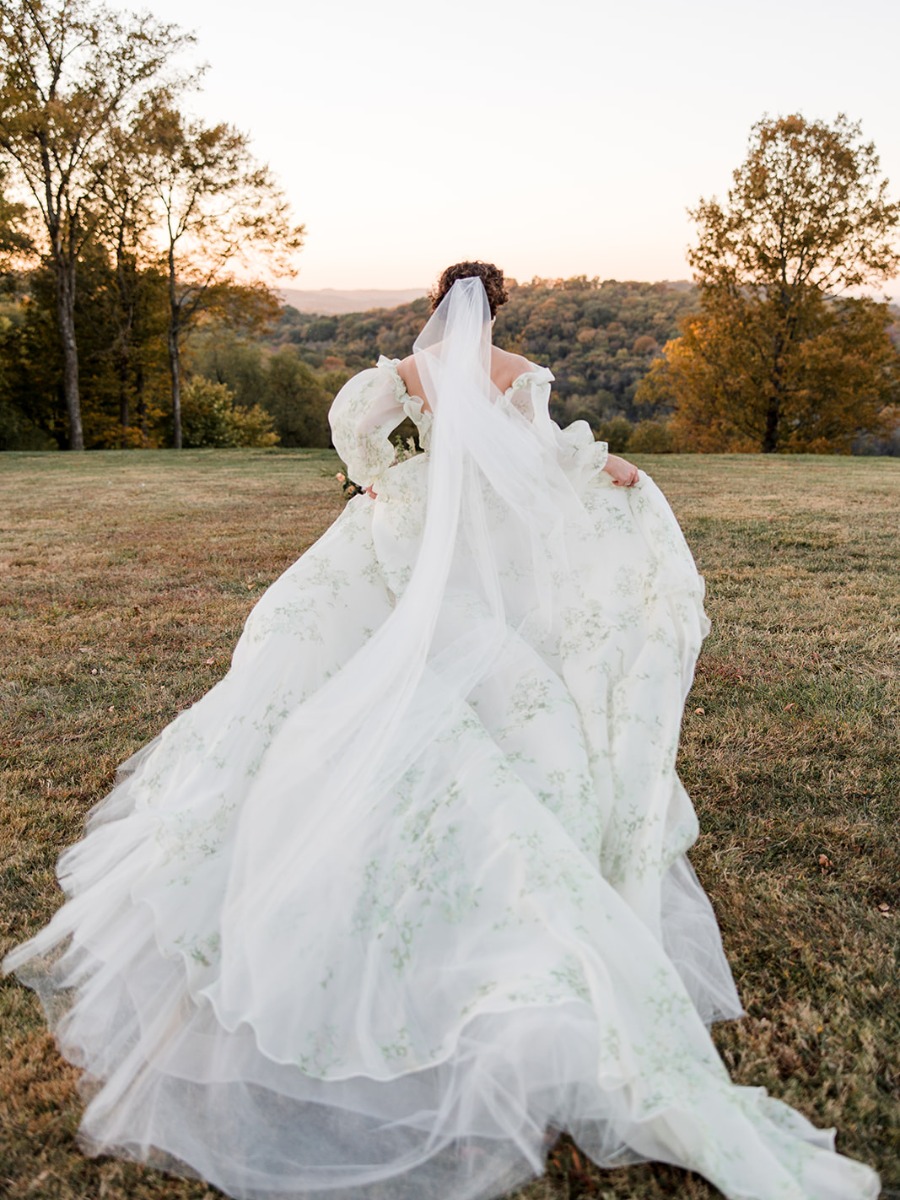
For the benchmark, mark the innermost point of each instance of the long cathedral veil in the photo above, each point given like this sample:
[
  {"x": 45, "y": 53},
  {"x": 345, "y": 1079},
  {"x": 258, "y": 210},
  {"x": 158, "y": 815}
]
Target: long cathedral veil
[{"x": 489, "y": 471}]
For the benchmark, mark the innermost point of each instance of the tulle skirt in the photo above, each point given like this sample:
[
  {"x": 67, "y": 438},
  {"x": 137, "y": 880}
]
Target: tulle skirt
[{"x": 410, "y": 993}]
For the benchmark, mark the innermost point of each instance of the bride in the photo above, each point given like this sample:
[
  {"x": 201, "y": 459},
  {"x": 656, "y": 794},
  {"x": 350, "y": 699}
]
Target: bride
[{"x": 405, "y": 894}]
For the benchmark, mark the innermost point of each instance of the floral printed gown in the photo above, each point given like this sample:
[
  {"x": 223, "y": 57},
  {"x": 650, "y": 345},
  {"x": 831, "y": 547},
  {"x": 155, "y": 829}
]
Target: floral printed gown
[{"x": 397, "y": 962}]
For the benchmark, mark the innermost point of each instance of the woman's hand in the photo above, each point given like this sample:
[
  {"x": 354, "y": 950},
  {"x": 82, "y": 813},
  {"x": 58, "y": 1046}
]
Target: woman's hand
[{"x": 622, "y": 472}]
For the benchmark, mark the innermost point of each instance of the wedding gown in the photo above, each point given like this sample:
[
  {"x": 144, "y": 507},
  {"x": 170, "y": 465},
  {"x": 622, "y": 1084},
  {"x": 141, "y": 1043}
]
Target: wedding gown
[{"x": 406, "y": 892}]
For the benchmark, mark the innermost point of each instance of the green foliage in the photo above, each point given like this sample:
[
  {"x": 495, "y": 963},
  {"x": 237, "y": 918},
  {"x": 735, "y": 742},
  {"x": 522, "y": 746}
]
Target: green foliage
[
  {"x": 19, "y": 429},
  {"x": 71, "y": 73},
  {"x": 93, "y": 131},
  {"x": 15, "y": 239},
  {"x": 123, "y": 385},
  {"x": 645, "y": 437},
  {"x": 221, "y": 208},
  {"x": 216, "y": 353},
  {"x": 599, "y": 338},
  {"x": 885, "y": 438},
  {"x": 652, "y": 437},
  {"x": 296, "y": 397},
  {"x": 616, "y": 432},
  {"x": 808, "y": 208},
  {"x": 29, "y": 409},
  {"x": 210, "y": 418},
  {"x": 297, "y": 400}
]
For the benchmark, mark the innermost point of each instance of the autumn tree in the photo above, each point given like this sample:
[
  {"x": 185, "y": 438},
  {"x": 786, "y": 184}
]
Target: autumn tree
[
  {"x": 125, "y": 197},
  {"x": 69, "y": 70},
  {"x": 221, "y": 212},
  {"x": 779, "y": 356}
]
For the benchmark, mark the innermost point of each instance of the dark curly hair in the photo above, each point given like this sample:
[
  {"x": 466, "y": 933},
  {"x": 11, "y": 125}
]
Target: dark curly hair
[{"x": 490, "y": 276}]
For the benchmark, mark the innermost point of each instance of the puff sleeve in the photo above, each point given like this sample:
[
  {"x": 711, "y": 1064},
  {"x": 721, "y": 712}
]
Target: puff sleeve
[
  {"x": 580, "y": 456},
  {"x": 363, "y": 415}
]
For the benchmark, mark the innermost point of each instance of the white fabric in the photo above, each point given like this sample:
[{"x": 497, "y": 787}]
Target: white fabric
[{"x": 407, "y": 888}]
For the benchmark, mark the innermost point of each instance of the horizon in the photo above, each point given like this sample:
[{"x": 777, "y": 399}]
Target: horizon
[
  {"x": 508, "y": 279},
  {"x": 877, "y": 292}
]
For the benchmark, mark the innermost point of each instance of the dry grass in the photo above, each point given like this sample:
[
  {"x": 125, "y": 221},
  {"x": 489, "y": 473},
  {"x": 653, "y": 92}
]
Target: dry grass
[{"x": 124, "y": 581}]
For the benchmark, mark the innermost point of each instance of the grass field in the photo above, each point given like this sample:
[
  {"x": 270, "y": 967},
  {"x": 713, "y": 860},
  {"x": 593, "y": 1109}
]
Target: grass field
[{"x": 124, "y": 582}]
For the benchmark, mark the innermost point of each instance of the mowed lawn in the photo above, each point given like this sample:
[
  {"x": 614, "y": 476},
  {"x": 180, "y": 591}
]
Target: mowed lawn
[{"x": 125, "y": 579}]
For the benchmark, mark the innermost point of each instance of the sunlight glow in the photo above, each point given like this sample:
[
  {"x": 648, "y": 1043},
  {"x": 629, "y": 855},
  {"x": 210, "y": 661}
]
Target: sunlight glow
[{"x": 556, "y": 140}]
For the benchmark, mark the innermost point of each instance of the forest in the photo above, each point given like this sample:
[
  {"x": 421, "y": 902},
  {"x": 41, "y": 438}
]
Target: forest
[
  {"x": 598, "y": 336},
  {"x": 262, "y": 373}
]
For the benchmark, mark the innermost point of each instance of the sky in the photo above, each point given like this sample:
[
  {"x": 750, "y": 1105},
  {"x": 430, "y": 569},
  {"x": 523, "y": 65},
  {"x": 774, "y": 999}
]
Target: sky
[{"x": 552, "y": 137}]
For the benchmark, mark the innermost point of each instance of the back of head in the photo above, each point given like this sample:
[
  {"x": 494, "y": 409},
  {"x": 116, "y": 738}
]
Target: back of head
[{"x": 490, "y": 276}]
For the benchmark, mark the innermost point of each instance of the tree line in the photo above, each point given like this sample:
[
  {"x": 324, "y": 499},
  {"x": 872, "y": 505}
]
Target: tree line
[{"x": 141, "y": 218}]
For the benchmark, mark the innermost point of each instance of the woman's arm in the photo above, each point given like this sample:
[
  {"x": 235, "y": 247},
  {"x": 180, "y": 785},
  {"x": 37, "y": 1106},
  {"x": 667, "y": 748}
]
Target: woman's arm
[{"x": 623, "y": 473}]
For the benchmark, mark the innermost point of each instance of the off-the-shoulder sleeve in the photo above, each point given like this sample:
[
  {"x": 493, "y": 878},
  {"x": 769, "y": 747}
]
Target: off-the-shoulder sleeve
[
  {"x": 364, "y": 413},
  {"x": 580, "y": 456}
]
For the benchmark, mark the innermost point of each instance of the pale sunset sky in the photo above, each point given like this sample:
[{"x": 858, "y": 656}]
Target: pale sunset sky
[{"x": 555, "y": 138}]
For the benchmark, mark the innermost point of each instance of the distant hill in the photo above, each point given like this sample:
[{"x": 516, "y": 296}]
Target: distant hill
[
  {"x": 599, "y": 337},
  {"x": 328, "y": 301}
]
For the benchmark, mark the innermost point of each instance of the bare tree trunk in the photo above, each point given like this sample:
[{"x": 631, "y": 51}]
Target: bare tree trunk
[
  {"x": 174, "y": 350},
  {"x": 773, "y": 407},
  {"x": 141, "y": 404},
  {"x": 773, "y": 415},
  {"x": 123, "y": 352},
  {"x": 124, "y": 415},
  {"x": 788, "y": 318},
  {"x": 65, "y": 307},
  {"x": 175, "y": 371}
]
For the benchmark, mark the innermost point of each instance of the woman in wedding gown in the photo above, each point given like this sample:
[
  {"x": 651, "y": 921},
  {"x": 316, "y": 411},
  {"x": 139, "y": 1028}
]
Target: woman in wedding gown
[{"x": 406, "y": 892}]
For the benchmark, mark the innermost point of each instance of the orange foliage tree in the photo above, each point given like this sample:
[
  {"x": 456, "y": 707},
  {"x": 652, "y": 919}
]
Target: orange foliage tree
[{"x": 779, "y": 358}]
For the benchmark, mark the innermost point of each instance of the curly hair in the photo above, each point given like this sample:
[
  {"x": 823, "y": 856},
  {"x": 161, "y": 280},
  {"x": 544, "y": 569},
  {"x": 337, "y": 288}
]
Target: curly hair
[{"x": 490, "y": 276}]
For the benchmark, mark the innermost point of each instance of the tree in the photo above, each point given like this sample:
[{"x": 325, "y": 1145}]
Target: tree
[
  {"x": 298, "y": 401},
  {"x": 68, "y": 71},
  {"x": 779, "y": 358},
  {"x": 221, "y": 210},
  {"x": 125, "y": 198},
  {"x": 287, "y": 388},
  {"x": 835, "y": 382},
  {"x": 219, "y": 354},
  {"x": 32, "y": 365},
  {"x": 212, "y": 419}
]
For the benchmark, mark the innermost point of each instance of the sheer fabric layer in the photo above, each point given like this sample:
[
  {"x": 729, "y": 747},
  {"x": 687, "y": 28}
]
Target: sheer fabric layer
[{"x": 408, "y": 888}]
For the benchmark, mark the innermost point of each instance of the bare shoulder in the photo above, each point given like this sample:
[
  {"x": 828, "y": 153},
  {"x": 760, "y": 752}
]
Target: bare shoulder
[
  {"x": 506, "y": 367},
  {"x": 408, "y": 372}
]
